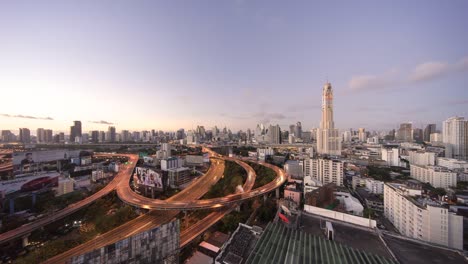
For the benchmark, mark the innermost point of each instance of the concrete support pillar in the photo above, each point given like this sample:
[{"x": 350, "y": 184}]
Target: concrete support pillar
[
  {"x": 264, "y": 197},
  {"x": 25, "y": 241},
  {"x": 277, "y": 193}
]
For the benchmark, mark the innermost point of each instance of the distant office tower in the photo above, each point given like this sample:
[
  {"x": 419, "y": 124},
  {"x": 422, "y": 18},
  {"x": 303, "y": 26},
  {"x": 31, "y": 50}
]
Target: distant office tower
[
  {"x": 125, "y": 135},
  {"x": 405, "y": 132},
  {"x": 24, "y": 135},
  {"x": 362, "y": 134},
  {"x": 298, "y": 130},
  {"x": 111, "y": 133},
  {"x": 48, "y": 135},
  {"x": 418, "y": 135},
  {"x": 428, "y": 130},
  {"x": 274, "y": 134},
  {"x": 328, "y": 138},
  {"x": 95, "y": 136},
  {"x": 61, "y": 137},
  {"x": 75, "y": 131},
  {"x": 40, "y": 135},
  {"x": 7, "y": 136},
  {"x": 455, "y": 138}
]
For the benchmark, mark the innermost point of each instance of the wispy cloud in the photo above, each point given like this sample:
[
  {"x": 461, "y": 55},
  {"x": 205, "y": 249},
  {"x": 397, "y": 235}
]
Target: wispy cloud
[
  {"x": 429, "y": 71},
  {"x": 27, "y": 117},
  {"x": 102, "y": 122},
  {"x": 423, "y": 72}
]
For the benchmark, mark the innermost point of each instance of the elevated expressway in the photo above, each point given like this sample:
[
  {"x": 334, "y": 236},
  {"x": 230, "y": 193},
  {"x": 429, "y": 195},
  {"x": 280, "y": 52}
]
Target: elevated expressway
[
  {"x": 187, "y": 199},
  {"x": 119, "y": 179}
]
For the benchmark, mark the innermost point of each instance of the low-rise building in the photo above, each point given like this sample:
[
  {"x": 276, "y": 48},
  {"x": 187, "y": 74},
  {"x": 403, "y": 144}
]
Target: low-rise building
[
  {"x": 422, "y": 158},
  {"x": 178, "y": 176},
  {"x": 65, "y": 185},
  {"x": 351, "y": 203},
  {"x": 453, "y": 164}
]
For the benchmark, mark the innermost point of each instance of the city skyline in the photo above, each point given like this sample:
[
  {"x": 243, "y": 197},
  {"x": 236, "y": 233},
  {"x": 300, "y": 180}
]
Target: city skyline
[{"x": 131, "y": 66}]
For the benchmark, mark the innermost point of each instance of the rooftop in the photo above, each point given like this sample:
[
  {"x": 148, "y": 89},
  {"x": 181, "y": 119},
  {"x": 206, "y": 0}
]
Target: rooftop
[{"x": 279, "y": 244}]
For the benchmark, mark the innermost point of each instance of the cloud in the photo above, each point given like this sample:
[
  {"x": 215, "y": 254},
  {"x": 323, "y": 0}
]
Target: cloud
[
  {"x": 423, "y": 72},
  {"x": 102, "y": 122},
  {"x": 373, "y": 82},
  {"x": 27, "y": 117},
  {"x": 429, "y": 71}
]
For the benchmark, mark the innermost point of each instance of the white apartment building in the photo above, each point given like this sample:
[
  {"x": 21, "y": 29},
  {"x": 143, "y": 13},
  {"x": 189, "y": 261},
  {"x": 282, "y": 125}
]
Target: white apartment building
[
  {"x": 435, "y": 137},
  {"x": 438, "y": 177},
  {"x": 171, "y": 163},
  {"x": 422, "y": 158},
  {"x": 325, "y": 170},
  {"x": 391, "y": 156},
  {"x": 422, "y": 219},
  {"x": 455, "y": 138},
  {"x": 453, "y": 164},
  {"x": 263, "y": 152},
  {"x": 374, "y": 186}
]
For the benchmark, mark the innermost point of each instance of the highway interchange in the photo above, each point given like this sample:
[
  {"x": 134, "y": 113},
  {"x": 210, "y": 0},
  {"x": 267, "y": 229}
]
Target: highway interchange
[{"x": 161, "y": 211}]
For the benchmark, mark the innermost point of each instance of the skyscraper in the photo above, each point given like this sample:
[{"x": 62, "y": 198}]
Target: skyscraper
[
  {"x": 274, "y": 134},
  {"x": 430, "y": 128},
  {"x": 111, "y": 133},
  {"x": 455, "y": 137},
  {"x": 405, "y": 132},
  {"x": 328, "y": 138},
  {"x": 75, "y": 131},
  {"x": 24, "y": 135},
  {"x": 298, "y": 130}
]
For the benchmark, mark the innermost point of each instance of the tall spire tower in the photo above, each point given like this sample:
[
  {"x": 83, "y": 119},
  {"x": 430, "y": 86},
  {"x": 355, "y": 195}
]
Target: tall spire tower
[{"x": 328, "y": 138}]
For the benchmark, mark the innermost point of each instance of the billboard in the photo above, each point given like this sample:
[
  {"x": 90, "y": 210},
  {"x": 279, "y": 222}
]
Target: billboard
[
  {"x": 147, "y": 177},
  {"x": 30, "y": 157}
]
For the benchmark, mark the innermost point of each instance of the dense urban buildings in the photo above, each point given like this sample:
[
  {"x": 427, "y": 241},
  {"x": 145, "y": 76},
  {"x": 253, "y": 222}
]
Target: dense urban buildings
[{"x": 455, "y": 137}]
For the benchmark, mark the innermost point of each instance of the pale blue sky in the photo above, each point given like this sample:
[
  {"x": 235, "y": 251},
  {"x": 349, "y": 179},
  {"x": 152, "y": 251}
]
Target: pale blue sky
[{"x": 171, "y": 64}]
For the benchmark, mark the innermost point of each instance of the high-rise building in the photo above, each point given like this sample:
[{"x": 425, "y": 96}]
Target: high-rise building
[
  {"x": 324, "y": 170},
  {"x": 75, "y": 131},
  {"x": 428, "y": 130},
  {"x": 455, "y": 138},
  {"x": 405, "y": 132},
  {"x": 7, "y": 136},
  {"x": 95, "y": 136},
  {"x": 111, "y": 134},
  {"x": 274, "y": 134},
  {"x": 298, "y": 130},
  {"x": 48, "y": 135},
  {"x": 422, "y": 218},
  {"x": 125, "y": 135},
  {"x": 362, "y": 134},
  {"x": 418, "y": 135},
  {"x": 40, "y": 135},
  {"x": 328, "y": 137},
  {"x": 391, "y": 154},
  {"x": 24, "y": 135}
]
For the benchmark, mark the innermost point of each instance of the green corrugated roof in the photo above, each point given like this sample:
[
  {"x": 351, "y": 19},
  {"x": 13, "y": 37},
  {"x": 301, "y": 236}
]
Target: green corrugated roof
[{"x": 279, "y": 244}]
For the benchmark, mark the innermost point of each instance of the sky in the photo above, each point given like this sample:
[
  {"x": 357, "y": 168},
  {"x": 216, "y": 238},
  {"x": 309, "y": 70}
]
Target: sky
[{"x": 178, "y": 64}]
